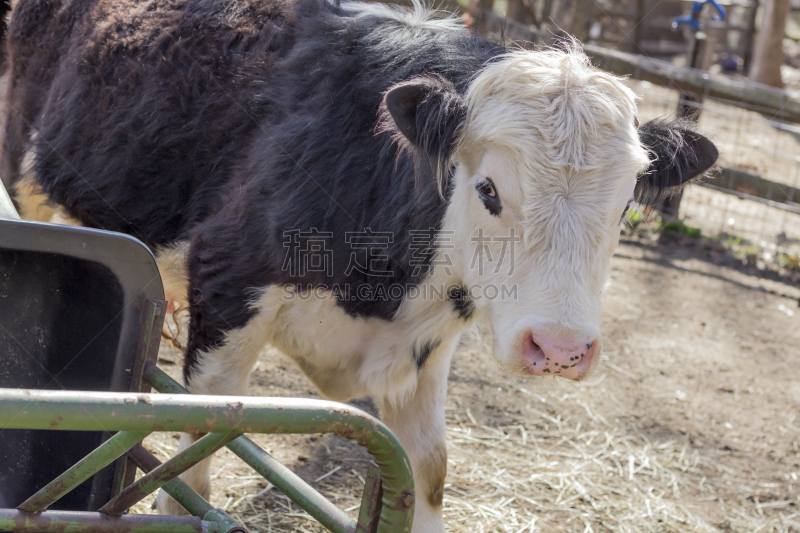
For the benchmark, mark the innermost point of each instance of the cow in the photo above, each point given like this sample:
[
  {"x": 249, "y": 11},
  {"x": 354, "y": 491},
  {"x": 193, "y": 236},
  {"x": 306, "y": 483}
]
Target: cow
[{"x": 354, "y": 184}]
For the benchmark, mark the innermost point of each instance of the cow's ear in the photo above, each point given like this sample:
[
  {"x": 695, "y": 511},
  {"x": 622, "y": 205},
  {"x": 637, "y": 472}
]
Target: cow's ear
[
  {"x": 426, "y": 111},
  {"x": 678, "y": 156}
]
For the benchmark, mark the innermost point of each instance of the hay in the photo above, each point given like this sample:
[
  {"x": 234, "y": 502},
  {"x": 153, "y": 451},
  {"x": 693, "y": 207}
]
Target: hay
[
  {"x": 562, "y": 475},
  {"x": 558, "y": 474},
  {"x": 563, "y": 468}
]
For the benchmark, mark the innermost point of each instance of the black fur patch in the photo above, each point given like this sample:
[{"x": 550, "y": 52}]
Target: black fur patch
[
  {"x": 462, "y": 303},
  {"x": 680, "y": 155},
  {"x": 422, "y": 353}
]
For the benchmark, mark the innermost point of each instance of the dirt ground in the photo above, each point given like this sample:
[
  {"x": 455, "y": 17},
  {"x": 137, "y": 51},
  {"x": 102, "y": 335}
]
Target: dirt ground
[{"x": 691, "y": 424}]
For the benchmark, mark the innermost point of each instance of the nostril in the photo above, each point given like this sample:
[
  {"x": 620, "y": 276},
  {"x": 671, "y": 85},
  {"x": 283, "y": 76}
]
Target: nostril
[
  {"x": 533, "y": 352},
  {"x": 592, "y": 348}
]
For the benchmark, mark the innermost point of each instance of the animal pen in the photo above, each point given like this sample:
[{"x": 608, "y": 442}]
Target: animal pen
[{"x": 751, "y": 199}]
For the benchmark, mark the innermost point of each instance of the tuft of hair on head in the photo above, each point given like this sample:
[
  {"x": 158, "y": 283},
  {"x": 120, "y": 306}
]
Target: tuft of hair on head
[
  {"x": 419, "y": 16},
  {"x": 678, "y": 153},
  {"x": 551, "y": 100}
]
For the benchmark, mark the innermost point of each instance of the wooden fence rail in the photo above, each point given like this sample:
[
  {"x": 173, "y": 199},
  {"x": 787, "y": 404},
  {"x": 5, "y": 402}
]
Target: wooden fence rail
[{"x": 769, "y": 101}]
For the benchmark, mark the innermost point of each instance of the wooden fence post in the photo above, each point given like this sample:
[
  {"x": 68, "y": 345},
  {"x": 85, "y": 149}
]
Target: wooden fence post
[
  {"x": 749, "y": 37},
  {"x": 768, "y": 53}
]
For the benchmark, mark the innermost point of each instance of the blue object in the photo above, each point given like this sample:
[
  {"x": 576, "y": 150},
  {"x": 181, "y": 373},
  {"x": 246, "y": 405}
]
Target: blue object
[
  {"x": 693, "y": 19},
  {"x": 732, "y": 63}
]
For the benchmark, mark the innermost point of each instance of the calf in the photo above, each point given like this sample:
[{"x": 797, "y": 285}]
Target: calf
[{"x": 354, "y": 184}]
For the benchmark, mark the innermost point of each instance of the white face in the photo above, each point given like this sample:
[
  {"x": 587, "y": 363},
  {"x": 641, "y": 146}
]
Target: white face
[
  {"x": 542, "y": 244},
  {"x": 547, "y": 158}
]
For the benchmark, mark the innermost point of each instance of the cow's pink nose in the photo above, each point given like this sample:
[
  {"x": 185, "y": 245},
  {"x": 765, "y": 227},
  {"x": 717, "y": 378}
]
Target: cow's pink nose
[{"x": 545, "y": 355}]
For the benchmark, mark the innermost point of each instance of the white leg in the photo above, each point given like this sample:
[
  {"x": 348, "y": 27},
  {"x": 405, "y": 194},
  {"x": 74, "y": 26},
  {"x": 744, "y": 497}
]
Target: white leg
[
  {"x": 419, "y": 424},
  {"x": 197, "y": 477},
  {"x": 223, "y": 371}
]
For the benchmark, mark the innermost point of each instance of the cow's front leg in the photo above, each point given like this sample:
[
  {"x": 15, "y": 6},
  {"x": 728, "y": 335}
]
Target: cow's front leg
[
  {"x": 419, "y": 424},
  {"x": 225, "y": 371}
]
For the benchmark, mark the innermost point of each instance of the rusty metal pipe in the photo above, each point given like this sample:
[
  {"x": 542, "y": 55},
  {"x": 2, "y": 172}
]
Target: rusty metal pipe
[
  {"x": 293, "y": 486},
  {"x": 82, "y": 470},
  {"x": 166, "y": 472},
  {"x": 396, "y": 508},
  {"x": 180, "y": 491},
  {"x": 63, "y": 410},
  {"x": 286, "y": 481},
  {"x": 79, "y": 521},
  {"x": 184, "y": 495}
]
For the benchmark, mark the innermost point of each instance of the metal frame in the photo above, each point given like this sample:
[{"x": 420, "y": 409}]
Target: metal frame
[{"x": 387, "y": 503}]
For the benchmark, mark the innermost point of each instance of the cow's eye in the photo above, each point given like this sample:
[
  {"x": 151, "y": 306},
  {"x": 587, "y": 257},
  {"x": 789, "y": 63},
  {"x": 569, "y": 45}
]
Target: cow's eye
[
  {"x": 488, "y": 194},
  {"x": 486, "y": 187}
]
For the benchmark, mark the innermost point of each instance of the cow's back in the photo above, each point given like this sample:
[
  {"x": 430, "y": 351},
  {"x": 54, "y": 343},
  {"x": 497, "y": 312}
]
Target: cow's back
[
  {"x": 140, "y": 109},
  {"x": 145, "y": 112}
]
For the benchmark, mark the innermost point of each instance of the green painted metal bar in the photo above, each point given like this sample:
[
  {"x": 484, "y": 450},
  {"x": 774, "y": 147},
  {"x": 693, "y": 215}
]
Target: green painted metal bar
[
  {"x": 77, "y": 522},
  {"x": 397, "y": 483},
  {"x": 224, "y": 523},
  {"x": 98, "y": 459},
  {"x": 184, "y": 495},
  {"x": 161, "y": 381},
  {"x": 166, "y": 472},
  {"x": 37, "y": 409},
  {"x": 190, "y": 413},
  {"x": 286, "y": 481},
  {"x": 370, "y": 501},
  {"x": 180, "y": 491},
  {"x": 289, "y": 483}
]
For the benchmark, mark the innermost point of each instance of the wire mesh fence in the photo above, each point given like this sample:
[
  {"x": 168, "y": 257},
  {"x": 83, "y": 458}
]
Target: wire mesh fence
[
  {"x": 759, "y": 212},
  {"x": 752, "y": 200}
]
